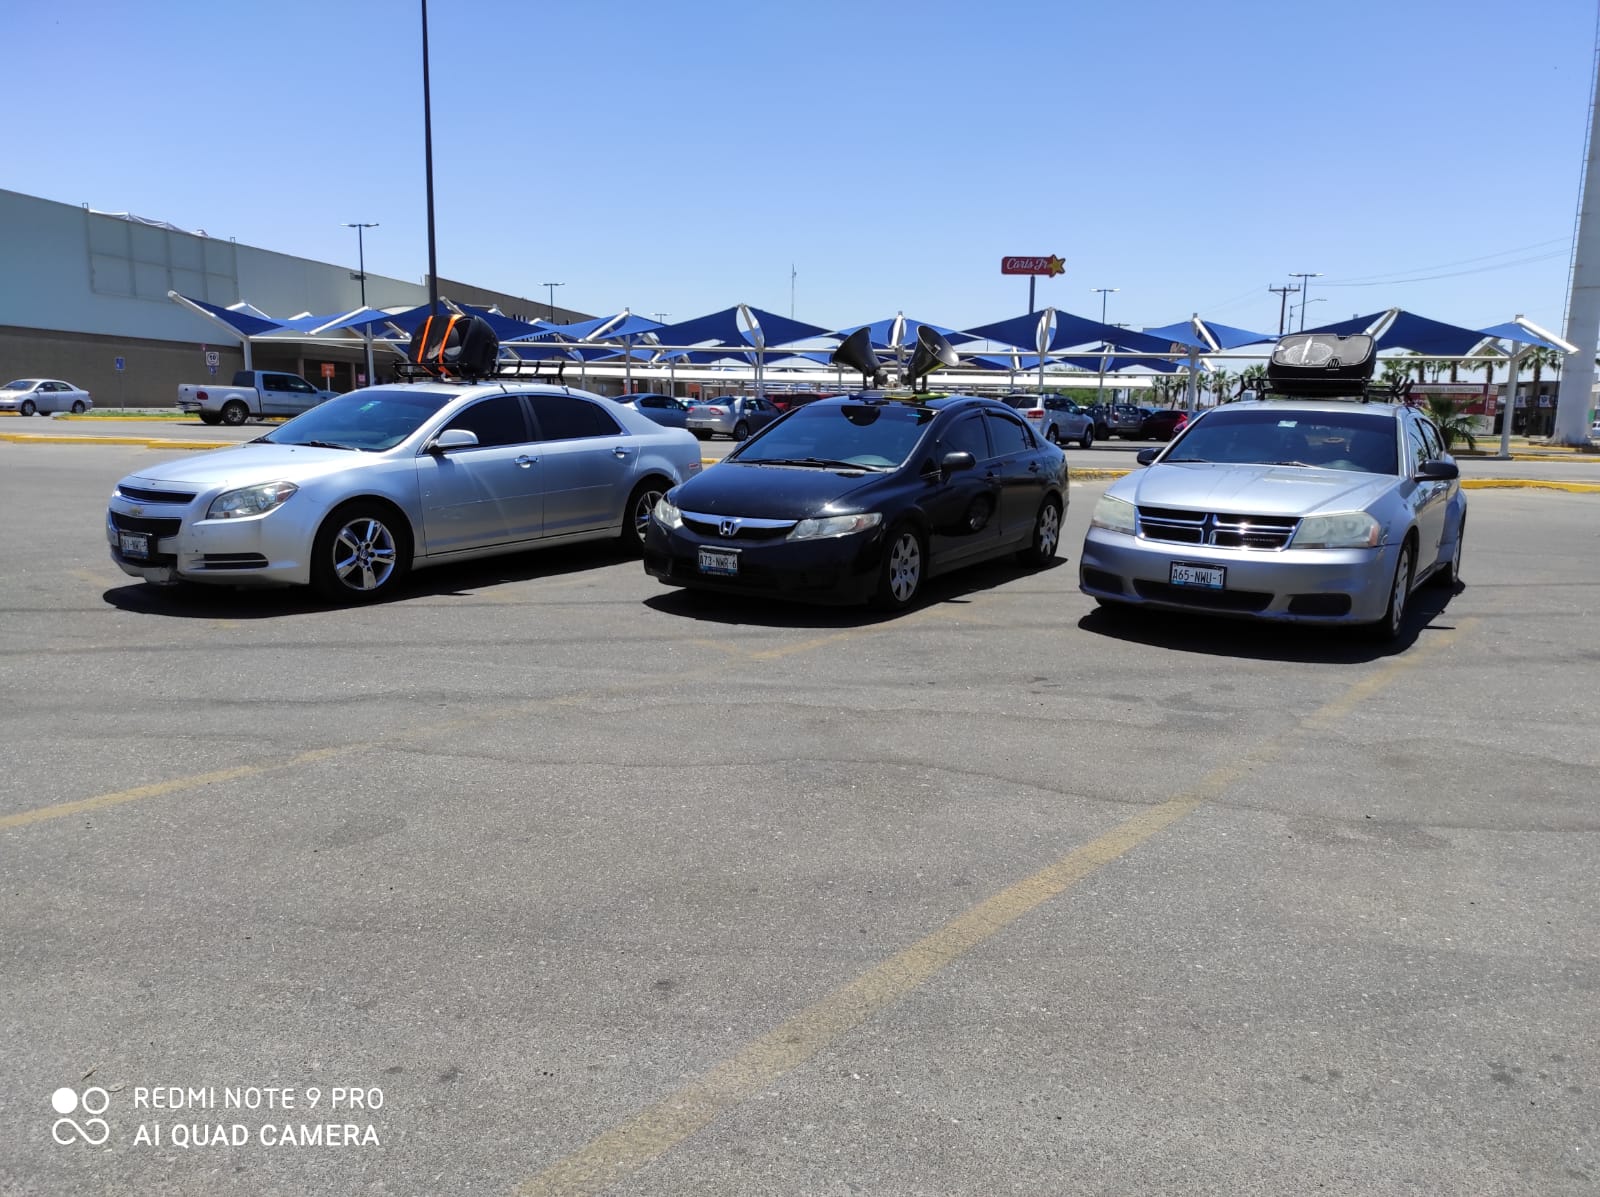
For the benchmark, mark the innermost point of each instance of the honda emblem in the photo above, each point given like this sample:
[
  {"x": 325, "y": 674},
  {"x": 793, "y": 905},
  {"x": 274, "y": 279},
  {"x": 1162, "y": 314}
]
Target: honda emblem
[{"x": 728, "y": 527}]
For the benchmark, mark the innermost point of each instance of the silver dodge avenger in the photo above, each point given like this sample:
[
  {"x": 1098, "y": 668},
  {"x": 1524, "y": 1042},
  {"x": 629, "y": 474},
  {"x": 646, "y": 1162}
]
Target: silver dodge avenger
[
  {"x": 351, "y": 495},
  {"x": 1301, "y": 510}
]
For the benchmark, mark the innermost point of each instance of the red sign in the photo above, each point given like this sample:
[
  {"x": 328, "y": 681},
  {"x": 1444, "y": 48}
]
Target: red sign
[
  {"x": 1050, "y": 266},
  {"x": 327, "y": 369}
]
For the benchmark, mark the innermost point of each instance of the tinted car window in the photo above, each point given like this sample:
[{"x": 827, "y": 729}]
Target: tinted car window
[
  {"x": 1416, "y": 447},
  {"x": 1008, "y": 435},
  {"x": 495, "y": 421},
  {"x": 1431, "y": 435},
  {"x": 376, "y": 419},
  {"x": 869, "y": 434},
  {"x": 567, "y": 418},
  {"x": 1353, "y": 440},
  {"x": 966, "y": 435}
]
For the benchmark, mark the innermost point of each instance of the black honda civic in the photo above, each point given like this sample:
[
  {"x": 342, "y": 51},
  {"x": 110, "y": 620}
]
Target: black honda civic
[{"x": 863, "y": 498}]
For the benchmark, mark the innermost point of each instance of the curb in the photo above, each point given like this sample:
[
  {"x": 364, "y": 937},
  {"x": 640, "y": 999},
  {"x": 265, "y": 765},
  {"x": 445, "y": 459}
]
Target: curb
[
  {"x": 1574, "y": 488},
  {"x": 31, "y": 438}
]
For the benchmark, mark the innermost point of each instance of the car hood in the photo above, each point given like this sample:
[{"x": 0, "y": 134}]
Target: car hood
[
  {"x": 771, "y": 492},
  {"x": 1255, "y": 489},
  {"x": 249, "y": 464}
]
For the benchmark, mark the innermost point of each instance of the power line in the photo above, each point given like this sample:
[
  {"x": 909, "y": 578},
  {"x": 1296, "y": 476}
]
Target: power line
[
  {"x": 1364, "y": 279},
  {"x": 1423, "y": 278}
]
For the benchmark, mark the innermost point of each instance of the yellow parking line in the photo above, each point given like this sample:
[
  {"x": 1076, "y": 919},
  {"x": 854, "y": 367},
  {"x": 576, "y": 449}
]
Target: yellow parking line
[
  {"x": 1576, "y": 488},
  {"x": 618, "y": 1153}
]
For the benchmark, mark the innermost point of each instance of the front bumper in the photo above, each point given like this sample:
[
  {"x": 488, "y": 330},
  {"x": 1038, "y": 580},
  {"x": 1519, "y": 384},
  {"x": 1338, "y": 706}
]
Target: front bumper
[
  {"x": 839, "y": 570},
  {"x": 1325, "y": 586},
  {"x": 261, "y": 550}
]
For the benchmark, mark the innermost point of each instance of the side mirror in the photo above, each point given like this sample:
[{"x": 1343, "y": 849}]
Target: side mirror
[
  {"x": 1146, "y": 456},
  {"x": 453, "y": 438},
  {"x": 1439, "y": 471},
  {"x": 958, "y": 460}
]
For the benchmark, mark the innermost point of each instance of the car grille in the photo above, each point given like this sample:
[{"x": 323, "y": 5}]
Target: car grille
[
  {"x": 1215, "y": 600},
  {"x": 1222, "y": 530},
  {"x": 746, "y": 531},
  {"x": 140, "y": 495},
  {"x": 138, "y": 523}
]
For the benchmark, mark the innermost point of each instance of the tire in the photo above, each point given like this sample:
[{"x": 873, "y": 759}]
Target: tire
[
  {"x": 210, "y": 417},
  {"x": 352, "y": 548},
  {"x": 904, "y": 566},
  {"x": 636, "y": 515},
  {"x": 28, "y": 407},
  {"x": 1053, "y": 435},
  {"x": 701, "y": 435},
  {"x": 234, "y": 413},
  {"x": 1087, "y": 439},
  {"x": 741, "y": 431},
  {"x": 1046, "y": 536},
  {"x": 1447, "y": 575},
  {"x": 77, "y": 407},
  {"x": 1387, "y": 629}
]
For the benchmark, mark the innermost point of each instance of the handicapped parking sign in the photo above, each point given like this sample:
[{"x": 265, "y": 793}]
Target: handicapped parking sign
[{"x": 122, "y": 364}]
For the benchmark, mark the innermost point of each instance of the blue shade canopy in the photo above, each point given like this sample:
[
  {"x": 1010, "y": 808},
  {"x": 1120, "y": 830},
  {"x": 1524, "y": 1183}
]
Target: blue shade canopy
[
  {"x": 1225, "y": 335},
  {"x": 1070, "y": 331},
  {"x": 505, "y": 327},
  {"x": 1516, "y": 332},
  {"x": 1091, "y": 363},
  {"x": 722, "y": 328},
  {"x": 361, "y": 320},
  {"x": 1002, "y": 361},
  {"x": 880, "y": 331},
  {"x": 1410, "y": 331},
  {"x": 242, "y": 323}
]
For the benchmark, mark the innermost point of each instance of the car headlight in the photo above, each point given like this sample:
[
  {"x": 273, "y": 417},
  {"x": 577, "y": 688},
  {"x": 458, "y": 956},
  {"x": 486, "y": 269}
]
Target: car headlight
[
  {"x": 1345, "y": 530},
  {"x": 835, "y": 525},
  {"x": 666, "y": 514},
  {"x": 1113, "y": 514},
  {"x": 250, "y": 500}
]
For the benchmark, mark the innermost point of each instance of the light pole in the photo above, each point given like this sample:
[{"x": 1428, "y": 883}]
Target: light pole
[
  {"x": 552, "y": 287},
  {"x": 1100, "y": 390},
  {"x": 1318, "y": 299},
  {"x": 1305, "y": 287},
  {"x": 361, "y": 256}
]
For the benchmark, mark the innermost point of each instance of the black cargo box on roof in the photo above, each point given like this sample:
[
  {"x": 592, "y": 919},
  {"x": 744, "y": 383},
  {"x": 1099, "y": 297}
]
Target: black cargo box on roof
[{"x": 1321, "y": 365}]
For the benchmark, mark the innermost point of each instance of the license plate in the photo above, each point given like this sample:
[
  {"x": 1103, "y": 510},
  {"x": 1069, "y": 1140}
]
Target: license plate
[
  {"x": 134, "y": 544},
  {"x": 1207, "y": 577},
  {"x": 719, "y": 561}
]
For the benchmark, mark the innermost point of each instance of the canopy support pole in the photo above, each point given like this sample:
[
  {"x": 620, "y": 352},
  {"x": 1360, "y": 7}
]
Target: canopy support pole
[{"x": 1511, "y": 400}]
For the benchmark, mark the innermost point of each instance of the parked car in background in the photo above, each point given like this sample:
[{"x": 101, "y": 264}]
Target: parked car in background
[
  {"x": 367, "y": 486},
  {"x": 863, "y": 498},
  {"x": 1100, "y": 413},
  {"x": 1054, "y": 417},
  {"x": 44, "y": 396},
  {"x": 1299, "y": 510},
  {"x": 790, "y": 399},
  {"x": 1124, "y": 420},
  {"x": 732, "y": 415},
  {"x": 666, "y": 410},
  {"x": 253, "y": 393},
  {"x": 1163, "y": 424}
]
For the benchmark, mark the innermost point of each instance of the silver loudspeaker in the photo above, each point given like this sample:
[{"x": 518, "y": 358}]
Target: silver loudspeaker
[
  {"x": 856, "y": 353},
  {"x": 932, "y": 352}
]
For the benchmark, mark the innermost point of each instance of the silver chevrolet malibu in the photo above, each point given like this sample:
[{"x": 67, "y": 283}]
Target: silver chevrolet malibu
[
  {"x": 354, "y": 493},
  {"x": 1301, "y": 510}
]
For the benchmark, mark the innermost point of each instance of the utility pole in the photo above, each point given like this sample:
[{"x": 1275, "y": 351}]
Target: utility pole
[
  {"x": 552, "y": 287},
  {"x": 792, "y": 276},
  {"x": 1305, "y": 277},
  {"x": 1283, "y": 294}
]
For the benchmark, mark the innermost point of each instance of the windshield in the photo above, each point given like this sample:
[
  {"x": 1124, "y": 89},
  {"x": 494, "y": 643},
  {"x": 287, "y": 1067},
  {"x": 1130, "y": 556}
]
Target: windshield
[
  {"x": 876, "y": 436},
  {"x": 373, "y": 419},
  {"x": 1020, "y": 402},
  {"x": 1362, "y": 441},
  {"x": 22, "y": 384}
]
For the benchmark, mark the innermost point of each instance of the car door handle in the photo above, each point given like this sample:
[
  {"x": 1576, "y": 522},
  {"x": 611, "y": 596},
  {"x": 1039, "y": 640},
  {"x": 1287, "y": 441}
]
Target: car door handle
[
  {"x": 619, "y": 451},
  {"x": 525, "y": 461},
  {"x": 1033, "y": 467}
]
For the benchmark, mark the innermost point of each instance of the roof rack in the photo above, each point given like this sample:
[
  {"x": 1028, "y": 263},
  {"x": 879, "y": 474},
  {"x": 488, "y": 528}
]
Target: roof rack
[{"x": 1398, "y": 391}]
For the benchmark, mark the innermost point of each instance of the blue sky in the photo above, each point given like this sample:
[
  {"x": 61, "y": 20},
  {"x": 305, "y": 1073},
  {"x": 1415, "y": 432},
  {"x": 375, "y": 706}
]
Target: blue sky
[{"x": 678, "y": 157}]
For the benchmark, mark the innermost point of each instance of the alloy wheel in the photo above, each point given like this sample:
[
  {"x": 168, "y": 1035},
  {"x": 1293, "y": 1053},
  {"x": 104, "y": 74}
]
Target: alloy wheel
[
  {"x": 905, "y": 567},
  {"x": 364, "y": 555}
]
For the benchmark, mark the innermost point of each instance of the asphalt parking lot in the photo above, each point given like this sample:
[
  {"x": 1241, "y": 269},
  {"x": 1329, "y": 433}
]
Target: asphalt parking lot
[{"x": 607, "y": 888}]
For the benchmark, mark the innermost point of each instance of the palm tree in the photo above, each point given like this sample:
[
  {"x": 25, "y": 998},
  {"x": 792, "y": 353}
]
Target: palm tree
[
  {"x": 1395, "y": 371},
  {"x": 1539, "y": 357},
  {"x": 1253, "y": 378},
  {"x": 1221, "y": 382},
  {"x": 1447, "y": 416},
  {"x": 1415, "y": 361}
]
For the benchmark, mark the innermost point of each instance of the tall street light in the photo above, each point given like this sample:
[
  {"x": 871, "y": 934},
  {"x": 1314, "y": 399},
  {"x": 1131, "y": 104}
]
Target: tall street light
[
  {"x": 552, "y": 287},
  {"x": 361, "y": 253},
  {"x": 1305, "y": 286},
  {"x": 1099, "y": 395}
]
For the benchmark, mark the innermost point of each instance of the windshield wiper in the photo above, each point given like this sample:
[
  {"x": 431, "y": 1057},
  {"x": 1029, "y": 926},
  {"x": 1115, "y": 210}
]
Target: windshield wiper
[
  {"x": 318, "y": 445},
  {"x": 1306, "y": 464},
  {"x": 821, "y": 463},
  {"x": 1192, "y": 460}
]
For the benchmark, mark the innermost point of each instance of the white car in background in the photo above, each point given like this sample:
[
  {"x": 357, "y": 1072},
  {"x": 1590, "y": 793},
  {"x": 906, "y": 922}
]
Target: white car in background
[{"x": 46, "y": 396}]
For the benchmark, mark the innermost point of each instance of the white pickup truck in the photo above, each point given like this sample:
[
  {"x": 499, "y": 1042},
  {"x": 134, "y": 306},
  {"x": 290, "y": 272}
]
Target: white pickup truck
[{"x": 253, "y": 393}]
